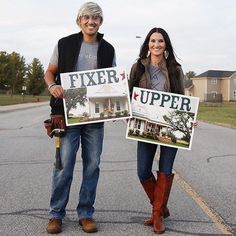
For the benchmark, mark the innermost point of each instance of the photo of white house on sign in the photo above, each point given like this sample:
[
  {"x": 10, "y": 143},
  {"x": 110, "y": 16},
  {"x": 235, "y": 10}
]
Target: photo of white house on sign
[
  {"x": 162, "y": 118},
  {"x": 95, "y": 96}
]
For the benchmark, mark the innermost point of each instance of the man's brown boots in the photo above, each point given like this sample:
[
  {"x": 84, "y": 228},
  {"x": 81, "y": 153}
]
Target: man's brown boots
[
  {"x": 88, "y": 225},
  {"x": 54, "y": 226}
]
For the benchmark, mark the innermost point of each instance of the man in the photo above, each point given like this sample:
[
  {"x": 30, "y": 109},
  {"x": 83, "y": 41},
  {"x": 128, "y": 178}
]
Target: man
[{"x": 85, "y": 50}]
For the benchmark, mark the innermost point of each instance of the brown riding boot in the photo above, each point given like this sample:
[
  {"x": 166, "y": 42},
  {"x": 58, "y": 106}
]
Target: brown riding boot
[
  {"x": 168, "y": 188},
  {"x": 161, "y": 195},
  {"x": 149, "y": 187}
]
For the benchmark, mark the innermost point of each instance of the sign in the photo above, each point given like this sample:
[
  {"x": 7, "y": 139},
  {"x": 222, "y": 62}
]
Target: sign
[
  {"x": 95, "y": 96},
  {"x": 162, "y": 118}
]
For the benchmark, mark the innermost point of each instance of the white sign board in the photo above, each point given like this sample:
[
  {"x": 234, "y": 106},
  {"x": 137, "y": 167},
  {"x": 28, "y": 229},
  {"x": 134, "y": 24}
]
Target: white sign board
[
  {"x": 162, "y": 118},
  {"x": 95, "y": 96}
]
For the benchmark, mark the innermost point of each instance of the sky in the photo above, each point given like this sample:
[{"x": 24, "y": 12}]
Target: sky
[{"x": 202, "y": 32}]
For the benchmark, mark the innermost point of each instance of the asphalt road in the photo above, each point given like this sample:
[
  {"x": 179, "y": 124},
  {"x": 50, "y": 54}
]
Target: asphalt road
[{"x": 202, "y": 200}]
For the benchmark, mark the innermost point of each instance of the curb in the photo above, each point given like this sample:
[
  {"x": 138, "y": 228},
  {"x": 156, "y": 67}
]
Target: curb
[
  {"x": 10, "y": 108},
  {"x": 219, "y": 124}
]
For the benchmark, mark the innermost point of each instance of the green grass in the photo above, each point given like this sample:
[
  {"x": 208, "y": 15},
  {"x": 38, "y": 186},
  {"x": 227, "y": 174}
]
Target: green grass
[
  {"x": 221, "y": 114},
  {"x": 179, "y": 143},
  {"x": 17, "y": 99}
]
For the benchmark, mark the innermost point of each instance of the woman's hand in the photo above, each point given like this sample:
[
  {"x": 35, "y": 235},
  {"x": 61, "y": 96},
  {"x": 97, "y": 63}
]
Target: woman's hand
[{"x": 194, "y": 123}]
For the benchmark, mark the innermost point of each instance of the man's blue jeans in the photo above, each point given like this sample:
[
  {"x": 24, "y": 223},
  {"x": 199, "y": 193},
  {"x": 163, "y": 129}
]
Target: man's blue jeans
[
  {"x": 91, "y": 138},
  {"x": 145, "y": 156}
]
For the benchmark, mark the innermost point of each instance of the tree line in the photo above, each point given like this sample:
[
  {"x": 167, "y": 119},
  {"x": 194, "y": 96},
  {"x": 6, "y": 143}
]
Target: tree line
[{"x": 17, "y": 77}]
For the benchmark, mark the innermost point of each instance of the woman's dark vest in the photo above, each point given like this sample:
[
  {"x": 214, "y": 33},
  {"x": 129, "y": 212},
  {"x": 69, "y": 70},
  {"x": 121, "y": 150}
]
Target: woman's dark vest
[{"x": 68, "y": 49}]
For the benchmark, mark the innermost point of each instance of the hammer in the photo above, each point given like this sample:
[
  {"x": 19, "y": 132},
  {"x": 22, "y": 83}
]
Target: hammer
[{"x": 58, "y": 133}]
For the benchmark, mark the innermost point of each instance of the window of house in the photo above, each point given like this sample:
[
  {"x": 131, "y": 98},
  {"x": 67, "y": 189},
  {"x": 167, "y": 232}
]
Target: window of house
[
  {"x": 213, "y": 81},
  {"x": 97, "y": 107},
  {"x": 117, "y": 105},
  {"x": 213, "y": 93},
  {"x": 234, "y": 93},
  {"x": 139, "y": 124}
]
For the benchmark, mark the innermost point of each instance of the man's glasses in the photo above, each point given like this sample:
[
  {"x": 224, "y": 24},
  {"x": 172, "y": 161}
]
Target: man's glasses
[{"x": 93, "y": 18}]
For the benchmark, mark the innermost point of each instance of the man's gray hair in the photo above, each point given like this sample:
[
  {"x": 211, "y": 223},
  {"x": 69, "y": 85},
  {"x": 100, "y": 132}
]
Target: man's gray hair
[{"x": 91, "y": 9}]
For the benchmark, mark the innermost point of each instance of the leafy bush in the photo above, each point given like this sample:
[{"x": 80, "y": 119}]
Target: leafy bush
[
  {"x": 163, "y": 133},
  {"x": 125, "y": 113},
  {"x": 173, "y": 138},
  {"x": 85, "y": 114},
  {"x": 131, "y": 131},
  {"x": 137, "y": 132},
  {"x": 118, "y": 113},
  {"x": 110, "y": 113},
  {"x": 144, "y": 134}
]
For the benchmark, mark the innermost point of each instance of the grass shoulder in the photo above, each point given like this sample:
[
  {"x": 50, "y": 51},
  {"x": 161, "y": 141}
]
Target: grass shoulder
[
  {"x": 19, "y": 99},
  {"x": 219, "y": 114}
]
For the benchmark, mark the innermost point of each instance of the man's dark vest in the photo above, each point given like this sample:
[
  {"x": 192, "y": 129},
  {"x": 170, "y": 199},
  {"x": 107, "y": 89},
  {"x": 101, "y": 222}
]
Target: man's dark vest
[{"x": 68, "y": 49}]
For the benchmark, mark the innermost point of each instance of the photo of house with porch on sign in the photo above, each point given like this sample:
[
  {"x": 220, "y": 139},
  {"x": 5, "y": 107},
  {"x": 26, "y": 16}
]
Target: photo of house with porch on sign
[
  {"x": 156, "y": 133},
  {"x": 108, "y": 102},
  {"x": 95, "y": 96},
  {"x": 148, "y": 129},
  {"x": 160, "y": 118}
]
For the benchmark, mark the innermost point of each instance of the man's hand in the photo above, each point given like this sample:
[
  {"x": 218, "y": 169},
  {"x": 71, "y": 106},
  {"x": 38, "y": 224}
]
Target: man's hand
[
  {"x": 50, "y": 77},
  {"x": 57, "y": 91}
]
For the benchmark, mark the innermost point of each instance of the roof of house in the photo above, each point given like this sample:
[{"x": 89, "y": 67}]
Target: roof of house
[
  {"x": 216, "y": 73},
  {"x": 107, "y": 91}
]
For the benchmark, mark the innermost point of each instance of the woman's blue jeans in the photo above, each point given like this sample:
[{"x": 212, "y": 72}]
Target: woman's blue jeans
[
  {"x": 91, "y": 138},
  {"x": 145, "y": 156}
]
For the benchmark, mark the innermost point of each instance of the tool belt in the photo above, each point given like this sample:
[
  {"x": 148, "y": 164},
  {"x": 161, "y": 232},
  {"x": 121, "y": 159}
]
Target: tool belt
[{"x": 55, "y": 122}]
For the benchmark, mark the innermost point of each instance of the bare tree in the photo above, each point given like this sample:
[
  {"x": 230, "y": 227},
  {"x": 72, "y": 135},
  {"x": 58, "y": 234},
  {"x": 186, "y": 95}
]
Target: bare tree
[{"x": 180, "y": 121}]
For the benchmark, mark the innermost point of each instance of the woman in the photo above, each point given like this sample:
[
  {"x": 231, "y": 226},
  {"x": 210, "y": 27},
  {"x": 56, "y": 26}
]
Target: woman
[{"x": 157, "y": 68}]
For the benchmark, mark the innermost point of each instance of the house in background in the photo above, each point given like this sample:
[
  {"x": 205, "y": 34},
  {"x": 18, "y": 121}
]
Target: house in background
[{"x": 212, "y": 86}]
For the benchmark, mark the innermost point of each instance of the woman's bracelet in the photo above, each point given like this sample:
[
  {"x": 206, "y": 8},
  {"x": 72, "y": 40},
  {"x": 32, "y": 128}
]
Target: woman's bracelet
[{"x": 51, "y": 85}]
